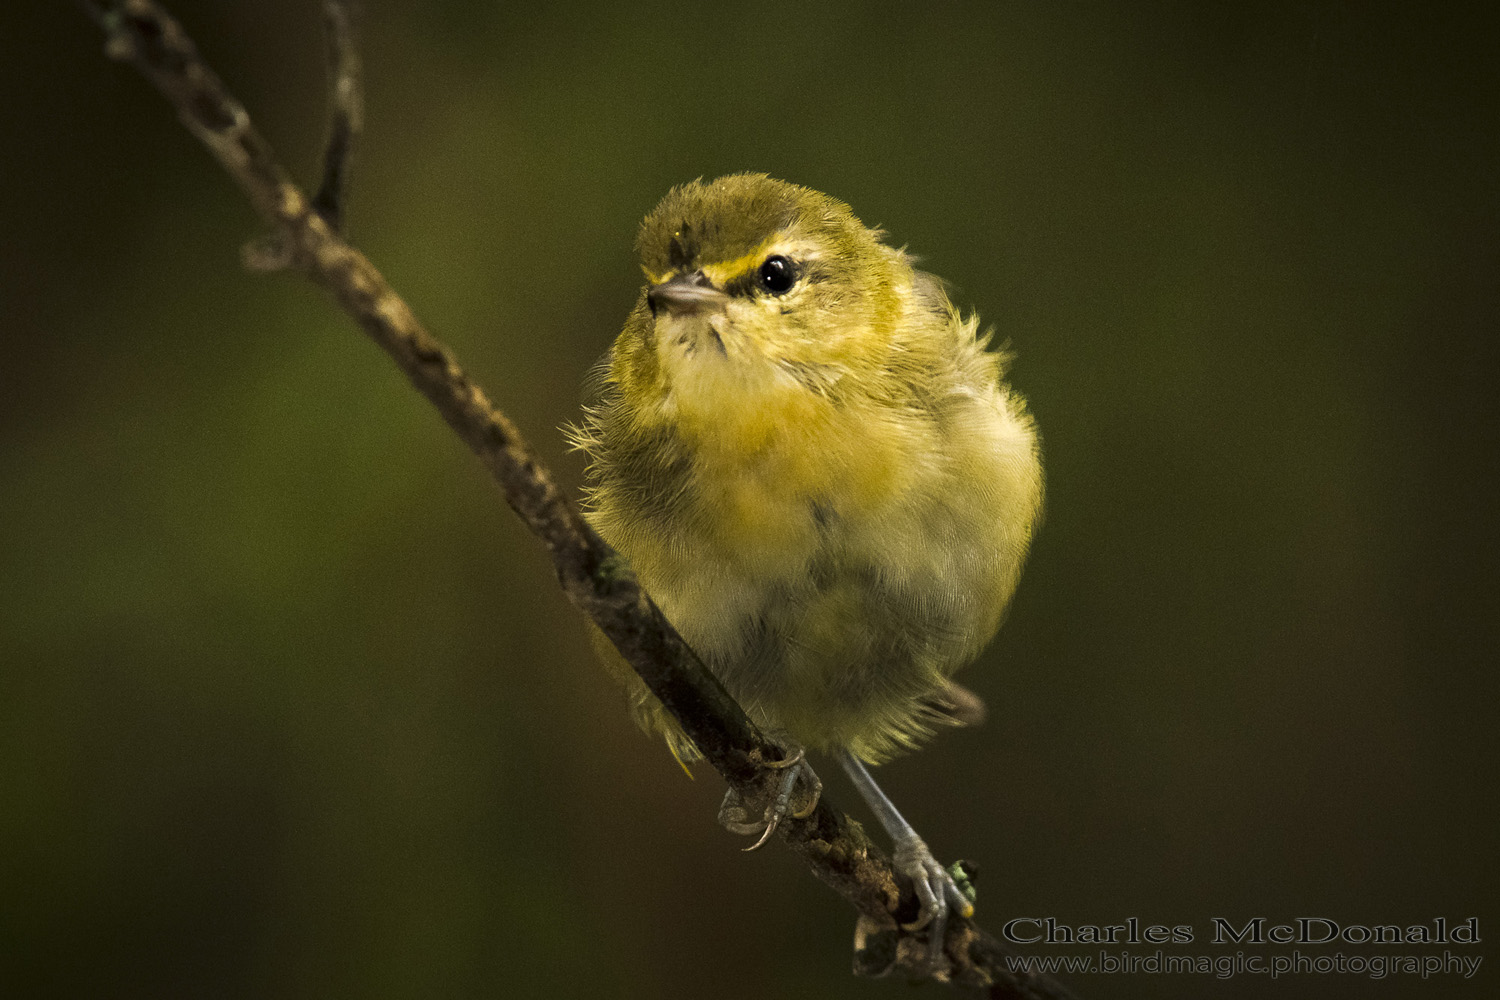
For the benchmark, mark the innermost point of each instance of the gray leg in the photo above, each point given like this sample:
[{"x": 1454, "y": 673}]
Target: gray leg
[{"x": 910, "y": 856}]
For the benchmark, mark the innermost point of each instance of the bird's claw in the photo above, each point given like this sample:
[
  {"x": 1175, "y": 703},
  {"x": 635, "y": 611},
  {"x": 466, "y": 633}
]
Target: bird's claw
[
  {"x": 735, "y": 814},
  {"x": 937, "y": 891}
]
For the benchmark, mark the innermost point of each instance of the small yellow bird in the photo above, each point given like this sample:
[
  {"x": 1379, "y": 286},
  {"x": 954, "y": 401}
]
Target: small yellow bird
[{"x": 816, "y": 469}]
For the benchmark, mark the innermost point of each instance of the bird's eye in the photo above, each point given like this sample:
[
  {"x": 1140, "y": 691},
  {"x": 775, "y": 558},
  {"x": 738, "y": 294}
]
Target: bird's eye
[{"x": 777, "y": 275}]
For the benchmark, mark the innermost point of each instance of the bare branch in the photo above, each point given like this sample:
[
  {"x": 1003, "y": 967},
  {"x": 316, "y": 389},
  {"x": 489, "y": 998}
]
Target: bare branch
[
  {"x": 593, "y": 576},
  {"x": 346, "y": 109},
  {"x": 346, "y": 119}
]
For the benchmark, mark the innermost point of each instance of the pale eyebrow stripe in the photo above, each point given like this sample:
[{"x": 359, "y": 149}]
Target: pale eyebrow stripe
[{"x": 722, "y": 273}]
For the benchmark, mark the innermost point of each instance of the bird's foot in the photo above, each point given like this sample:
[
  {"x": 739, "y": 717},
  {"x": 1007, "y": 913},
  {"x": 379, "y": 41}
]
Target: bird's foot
[
  {"x": 738, "y": 816},
  {"x": 939, "y": 891}
]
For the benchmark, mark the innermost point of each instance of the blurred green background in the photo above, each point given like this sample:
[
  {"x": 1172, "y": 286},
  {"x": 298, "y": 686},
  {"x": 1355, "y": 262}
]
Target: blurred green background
[{"x": 290, "y": 705}]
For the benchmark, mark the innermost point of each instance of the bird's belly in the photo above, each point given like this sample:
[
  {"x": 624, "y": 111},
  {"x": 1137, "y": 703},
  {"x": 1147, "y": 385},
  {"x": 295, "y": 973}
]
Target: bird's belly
[
  {"x": 826, "y": 634},
  {"x": 834, "y": 581}
]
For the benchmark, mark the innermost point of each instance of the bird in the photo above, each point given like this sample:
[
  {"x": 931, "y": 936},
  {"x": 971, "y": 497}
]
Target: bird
[{"x": 814, "y": 463}]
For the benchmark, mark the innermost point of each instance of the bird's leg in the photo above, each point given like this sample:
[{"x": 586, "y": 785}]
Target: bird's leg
[
  {"x": 936, "y": 888},
  {"x": 735, "y": 814}
]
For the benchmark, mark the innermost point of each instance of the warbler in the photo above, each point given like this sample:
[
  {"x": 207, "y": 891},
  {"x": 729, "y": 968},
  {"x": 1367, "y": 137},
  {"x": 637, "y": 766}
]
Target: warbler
[{"x": 812, "y": 461}]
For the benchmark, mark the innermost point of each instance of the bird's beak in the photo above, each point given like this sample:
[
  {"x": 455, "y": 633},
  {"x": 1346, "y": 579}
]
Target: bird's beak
[{"x": 686, "y": 293}]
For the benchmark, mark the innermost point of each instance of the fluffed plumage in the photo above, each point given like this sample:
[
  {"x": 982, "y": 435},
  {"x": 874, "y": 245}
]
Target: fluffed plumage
[{"x": 827, "y": 487}]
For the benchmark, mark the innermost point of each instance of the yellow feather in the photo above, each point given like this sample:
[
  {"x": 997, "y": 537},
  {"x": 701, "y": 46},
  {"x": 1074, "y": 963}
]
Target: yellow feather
[{"x": 827, "y": 487}]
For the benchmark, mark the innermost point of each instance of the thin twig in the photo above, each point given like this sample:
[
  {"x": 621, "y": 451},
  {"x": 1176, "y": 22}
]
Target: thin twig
[
  {"x": 346, "y": 110},
  {"x": 593, "y": 576},
  {"x": 346, "y": 120}
]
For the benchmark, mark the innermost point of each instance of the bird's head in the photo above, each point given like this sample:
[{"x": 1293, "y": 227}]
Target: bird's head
[{"x": 765, "y": 280}]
